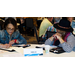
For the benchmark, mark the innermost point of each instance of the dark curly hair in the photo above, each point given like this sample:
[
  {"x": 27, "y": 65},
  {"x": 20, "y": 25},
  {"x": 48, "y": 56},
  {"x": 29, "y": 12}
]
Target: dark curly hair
[{"x": 12, "y": 21}]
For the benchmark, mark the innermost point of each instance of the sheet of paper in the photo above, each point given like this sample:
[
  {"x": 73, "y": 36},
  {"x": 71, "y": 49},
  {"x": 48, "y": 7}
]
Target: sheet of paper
[
  {"x": 13, "y": 55},
  {"x": 19, "y": 45},
  {"x": 17, "y": 49}
]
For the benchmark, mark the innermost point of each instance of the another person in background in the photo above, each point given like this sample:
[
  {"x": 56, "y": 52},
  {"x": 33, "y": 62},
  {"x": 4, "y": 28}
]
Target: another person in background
[
  {"x": 70, "y": 19},
  {"x": 22, "y": 24},
  {"x": 1, "y": 24},
  {"x": 72, "y": 23},
  {"x": 64, "y": 37},
  {"x": 10, "y": 35},
  {"x": 46, "y": 25},
  {"x": 57, "y": 19}
]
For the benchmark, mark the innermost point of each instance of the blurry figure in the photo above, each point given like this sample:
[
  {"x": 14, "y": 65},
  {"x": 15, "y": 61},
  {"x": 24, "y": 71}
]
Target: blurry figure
[
  {"x": 45, "y": 26},
  {"x": 72, "y": 23},
  {"x": 57, "y": 19},
  {"x": 1, "y": 24},
  {"x": 70, "y": 19},
  {"x": 22, "y": 25}
]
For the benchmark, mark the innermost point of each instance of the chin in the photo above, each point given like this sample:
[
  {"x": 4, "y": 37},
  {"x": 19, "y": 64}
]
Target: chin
[{"x": 10, "y": 33}]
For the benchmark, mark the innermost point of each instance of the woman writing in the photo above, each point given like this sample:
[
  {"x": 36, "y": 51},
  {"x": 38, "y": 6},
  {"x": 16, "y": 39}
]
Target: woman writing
[
  {"x": 10, "y": 35},
  {"x": 64, "y": 37}
]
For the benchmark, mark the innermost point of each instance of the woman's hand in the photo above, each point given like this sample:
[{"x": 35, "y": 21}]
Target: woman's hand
[
  {"x": 59, "y": 37},
  {"x": 13, "y": 41}
]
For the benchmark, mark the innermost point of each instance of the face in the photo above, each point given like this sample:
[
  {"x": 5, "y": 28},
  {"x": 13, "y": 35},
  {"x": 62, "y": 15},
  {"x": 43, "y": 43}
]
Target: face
[
  {"x": 10, "y": 28},
  {"x": 60, "y": 31},
  {"x": 70, "y": 19}
]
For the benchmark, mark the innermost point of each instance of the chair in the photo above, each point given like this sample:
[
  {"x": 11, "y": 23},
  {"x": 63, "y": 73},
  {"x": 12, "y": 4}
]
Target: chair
[
  {"x": 49, "y": 33},
  {"x": 38, "y": 39},
  {"x": 29, "y": 26},
  {"x": 18, "y": 20}
]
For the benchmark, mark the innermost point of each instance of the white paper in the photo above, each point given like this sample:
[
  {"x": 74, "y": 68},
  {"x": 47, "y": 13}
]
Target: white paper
[{"x": 13, "y": 55}]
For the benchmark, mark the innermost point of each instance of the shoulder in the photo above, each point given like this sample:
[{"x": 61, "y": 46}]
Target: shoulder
[
  {"x": 2, "y": 32},
  {"x": 17, "y": 32},
  {"x": 46, "y": 22},
  {"x": 71, "y": 37}
]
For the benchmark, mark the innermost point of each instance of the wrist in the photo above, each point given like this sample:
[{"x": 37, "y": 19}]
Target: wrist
[
  {"x": 51, "y": 38},
  {"x": 15, "y": 40},
  {"x": 61, "y": 40}
]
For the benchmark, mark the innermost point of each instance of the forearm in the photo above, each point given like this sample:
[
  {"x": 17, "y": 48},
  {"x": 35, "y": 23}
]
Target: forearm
[
  {"x": 67, "y": 47},
  {"x": 48, "y": 42},
  {"x": 61, "y": 40}
]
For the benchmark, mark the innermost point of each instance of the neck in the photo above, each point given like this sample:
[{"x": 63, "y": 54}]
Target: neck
[{"x": 10, "y": 35}]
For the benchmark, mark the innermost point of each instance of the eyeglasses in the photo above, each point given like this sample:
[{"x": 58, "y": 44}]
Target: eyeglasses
[{"x": 10, "y": 29}]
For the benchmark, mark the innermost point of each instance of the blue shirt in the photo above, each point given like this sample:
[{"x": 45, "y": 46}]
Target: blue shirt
[{"x": 5, "y": 37}]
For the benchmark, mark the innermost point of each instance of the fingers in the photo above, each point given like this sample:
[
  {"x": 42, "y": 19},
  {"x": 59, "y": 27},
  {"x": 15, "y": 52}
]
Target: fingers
[{"x": 11, "y": 42}]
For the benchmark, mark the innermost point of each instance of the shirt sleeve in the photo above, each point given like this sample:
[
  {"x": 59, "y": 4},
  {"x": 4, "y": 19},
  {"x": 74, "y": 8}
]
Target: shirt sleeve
[
  {"x": 48, "y": 42},
  {"x": 21, "y": 40},
  {"x": 69, "y": 45}
]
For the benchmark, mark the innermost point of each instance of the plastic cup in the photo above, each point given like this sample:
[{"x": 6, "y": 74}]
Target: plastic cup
[{"x": 47, "y": 48}]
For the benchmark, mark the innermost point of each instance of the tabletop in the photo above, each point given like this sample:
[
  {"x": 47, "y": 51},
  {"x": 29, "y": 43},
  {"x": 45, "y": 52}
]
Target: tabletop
[{"x": 20, "y": 53}]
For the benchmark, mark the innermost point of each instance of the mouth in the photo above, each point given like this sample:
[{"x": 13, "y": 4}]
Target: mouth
[{"x": 10, "y": 32}]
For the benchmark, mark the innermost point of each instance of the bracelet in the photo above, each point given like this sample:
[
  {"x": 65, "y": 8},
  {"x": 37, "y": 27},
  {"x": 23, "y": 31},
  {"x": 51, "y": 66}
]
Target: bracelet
[{"x": 15, "y": 40}]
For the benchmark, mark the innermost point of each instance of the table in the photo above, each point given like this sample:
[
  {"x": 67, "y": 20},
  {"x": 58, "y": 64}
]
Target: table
[{"x": 16, "y": 54}]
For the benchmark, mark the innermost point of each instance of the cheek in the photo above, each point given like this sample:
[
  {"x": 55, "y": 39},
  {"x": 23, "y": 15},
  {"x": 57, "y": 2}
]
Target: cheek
[{"x": 7, "y": 31}]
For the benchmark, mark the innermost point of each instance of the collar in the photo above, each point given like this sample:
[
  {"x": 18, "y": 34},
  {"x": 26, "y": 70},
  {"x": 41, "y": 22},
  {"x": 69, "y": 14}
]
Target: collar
[{"x": 8, "y": 34}]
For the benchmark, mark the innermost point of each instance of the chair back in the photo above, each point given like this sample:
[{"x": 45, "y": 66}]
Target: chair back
[
  {"x": 29, "y": 22},
  {"x": 49, "y": 34}
]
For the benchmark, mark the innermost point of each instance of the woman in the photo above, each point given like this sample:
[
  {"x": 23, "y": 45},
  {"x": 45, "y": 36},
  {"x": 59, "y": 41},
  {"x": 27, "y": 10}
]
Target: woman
[
  {"x": 10, "y": 35},
  {"x": 57, "y": 19},
  {"x": 70, "y": 19},
  {"x": 64, "y": 37},
  {"x": 22, "y": 24}
]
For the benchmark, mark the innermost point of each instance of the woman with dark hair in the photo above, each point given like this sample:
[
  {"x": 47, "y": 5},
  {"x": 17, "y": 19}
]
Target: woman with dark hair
[
  {"x": 10, "y": 35},
  {"x": 64, "y": 37}
]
